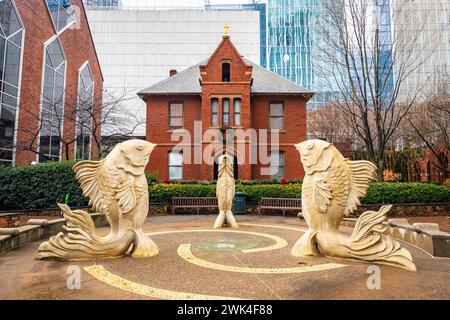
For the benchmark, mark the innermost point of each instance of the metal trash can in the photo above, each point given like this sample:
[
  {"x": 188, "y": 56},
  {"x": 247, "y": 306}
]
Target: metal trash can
[{"x": 240, "y": 203}]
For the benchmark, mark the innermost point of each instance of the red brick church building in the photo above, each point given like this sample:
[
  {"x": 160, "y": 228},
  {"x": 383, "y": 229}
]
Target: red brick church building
[{"x": 225, "y": 91}]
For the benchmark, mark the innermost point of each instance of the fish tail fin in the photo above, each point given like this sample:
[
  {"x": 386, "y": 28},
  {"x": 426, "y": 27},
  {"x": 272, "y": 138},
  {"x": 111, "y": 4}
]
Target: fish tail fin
[
  {"x": 80, "y": 241},
  {"x": 368, "y": 243}
]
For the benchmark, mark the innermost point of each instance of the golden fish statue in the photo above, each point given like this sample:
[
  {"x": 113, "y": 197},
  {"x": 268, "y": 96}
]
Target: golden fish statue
[
  {"x": 225, "y": 191},
  {"x": 331, "y": 190},
  {"x": 117, "y": 188}
]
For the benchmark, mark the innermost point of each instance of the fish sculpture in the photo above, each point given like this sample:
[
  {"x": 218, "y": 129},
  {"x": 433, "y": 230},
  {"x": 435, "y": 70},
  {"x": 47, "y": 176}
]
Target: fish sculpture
[
  {"x": 331, "y": 190},
  {"x": 225, "y": 191},
  {"x": 117, "y": 188}
]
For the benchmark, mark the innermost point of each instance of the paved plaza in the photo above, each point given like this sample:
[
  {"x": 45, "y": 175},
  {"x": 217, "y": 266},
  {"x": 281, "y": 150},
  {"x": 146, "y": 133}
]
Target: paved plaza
[{"x": 198, "y": 262}]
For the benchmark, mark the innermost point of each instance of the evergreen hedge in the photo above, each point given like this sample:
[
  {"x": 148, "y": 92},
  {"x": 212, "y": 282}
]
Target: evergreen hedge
[{"x": 42, "y": 186}]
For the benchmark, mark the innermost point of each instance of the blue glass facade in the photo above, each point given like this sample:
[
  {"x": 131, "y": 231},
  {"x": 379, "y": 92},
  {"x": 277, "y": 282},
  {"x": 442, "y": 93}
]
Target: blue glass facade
[{"x": 294, "y": 45}]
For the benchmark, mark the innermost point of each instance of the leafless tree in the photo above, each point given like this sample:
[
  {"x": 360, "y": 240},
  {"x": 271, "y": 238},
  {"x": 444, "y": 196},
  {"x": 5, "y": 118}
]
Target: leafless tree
[
  {"x": 86, "y": 117},
  {"x": 429, "y": 123},
  {"x": 368, "y": 66}
]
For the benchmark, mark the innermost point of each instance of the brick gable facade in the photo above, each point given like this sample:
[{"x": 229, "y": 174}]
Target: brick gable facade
[{"x": 245, "y": 85}]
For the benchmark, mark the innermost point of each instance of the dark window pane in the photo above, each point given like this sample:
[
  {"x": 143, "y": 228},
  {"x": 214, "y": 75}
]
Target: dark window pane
[
  {"x": 226, "y": 72},
  {"x": 55, "y": 146},
  {"x": 49, "y": 82},
  {"x": 12, "y": 66},
  {"x": 8, "y": 113},
  {"x": 5, "y": 155},
  {"x": 2, "y": 55}
]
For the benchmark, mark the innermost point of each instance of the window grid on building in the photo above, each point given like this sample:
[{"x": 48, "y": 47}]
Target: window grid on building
[
  {"x": 11, "y": 42},
  {"x": 276, "y": 116},
  {"x": 214, "y": 112},
  {"x": 226, "y": 111},
  {"x": 84, "y": 113},
  {"x": 52, "y": 109},
  {"x": 237, "y": 111},
  {"x": 176, "y": 115},
  {"x": 175, "y": 165},
  {"x": 61, "y": 12},
  {"x": 277, "y": 164}
]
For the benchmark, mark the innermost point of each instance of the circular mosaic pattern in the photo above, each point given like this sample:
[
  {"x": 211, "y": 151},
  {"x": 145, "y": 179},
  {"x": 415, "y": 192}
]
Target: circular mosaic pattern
[{"x": 218, "y": 246}]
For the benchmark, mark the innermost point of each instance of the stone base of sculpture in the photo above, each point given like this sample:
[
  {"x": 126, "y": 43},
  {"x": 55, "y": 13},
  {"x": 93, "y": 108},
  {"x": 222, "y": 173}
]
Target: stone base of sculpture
[
  {"x": 366, "y": 243},
  {"x": 117, "y": 188},
  {"x": 81, "y": 242},
  {"x": 225, "y": 191},
  {"x": 331, "y": 190}
]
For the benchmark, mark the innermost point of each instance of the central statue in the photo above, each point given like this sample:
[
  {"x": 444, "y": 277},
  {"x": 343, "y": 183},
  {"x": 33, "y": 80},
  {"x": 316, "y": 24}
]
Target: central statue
[
  {"x": 117, "y": 188},
  {"x": 225, "y": 191}
]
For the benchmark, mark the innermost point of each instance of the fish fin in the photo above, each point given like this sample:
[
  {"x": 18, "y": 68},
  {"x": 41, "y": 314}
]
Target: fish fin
[
  {"x": 322, "y": 194},
  {"x": 87, "y": 173},
  {"x": 361, "y": 174},
  {"x": 369, "y": 244},
  {"x": 126, "y": 196}
]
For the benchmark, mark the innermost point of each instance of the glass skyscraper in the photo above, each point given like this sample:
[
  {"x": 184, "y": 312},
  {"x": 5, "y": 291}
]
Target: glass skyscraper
[{"x": 292, "y": 44}]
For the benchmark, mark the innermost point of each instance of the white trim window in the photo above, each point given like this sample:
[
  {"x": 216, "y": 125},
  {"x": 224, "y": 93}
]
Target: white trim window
[
  {"x": 175, "y": 165},
  {"x": 237, "y": 111},
  {"x": 277, "y": 164},
  {"x": 11, "y": 44},
  {"x": 62, "y": 14},
  {"x": 52, "y": 108},
  {"x": 85, "y": 107},
  {"x": 276, "y": 116}
]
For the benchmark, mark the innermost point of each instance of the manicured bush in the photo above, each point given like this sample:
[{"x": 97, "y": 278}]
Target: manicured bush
[
  {"x": 42, "y": 186},
  {"x": 163, "y": 193},
  {"x": 406, "y": 193},
  {"x": 39, "y": 186}
]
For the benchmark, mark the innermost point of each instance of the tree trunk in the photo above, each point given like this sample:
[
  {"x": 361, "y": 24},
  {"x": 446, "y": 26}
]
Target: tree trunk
[{"x": 380, "y": 166}]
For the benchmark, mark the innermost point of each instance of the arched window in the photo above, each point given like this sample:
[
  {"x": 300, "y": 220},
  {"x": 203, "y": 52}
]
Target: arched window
[
  {"x": 85, "y": 107},
  {"x": 226, "y": 72},
  {"x": 62, "y": 13},
  {"x": 11, "y": 44},
  {"x": 52, "y": 109}
]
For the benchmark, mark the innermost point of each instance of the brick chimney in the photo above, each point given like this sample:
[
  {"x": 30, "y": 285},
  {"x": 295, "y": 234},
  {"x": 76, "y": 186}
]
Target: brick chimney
[{"x": 173, "y": 72}]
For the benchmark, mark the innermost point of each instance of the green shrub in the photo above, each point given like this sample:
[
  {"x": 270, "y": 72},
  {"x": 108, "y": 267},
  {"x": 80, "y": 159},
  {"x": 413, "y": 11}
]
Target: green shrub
[
  {"x": 406, "y": 193},
  {"x": 163, "y": 193},
  {"x": 40, "y": 186}
]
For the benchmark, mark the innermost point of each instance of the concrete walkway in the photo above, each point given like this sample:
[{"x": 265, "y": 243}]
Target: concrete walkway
[{"x": 197, "y": 262}]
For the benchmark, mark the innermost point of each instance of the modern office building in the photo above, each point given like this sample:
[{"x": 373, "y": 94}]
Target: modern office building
[
  {"x": 40, "y": 75},
  {"x": 431, "y": 51},
  {"x": 139, "y": 47},
  {"x": 293, "y": 42}
]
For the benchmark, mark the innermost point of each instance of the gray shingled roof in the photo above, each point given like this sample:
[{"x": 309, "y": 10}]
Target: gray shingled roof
[{"x": 187, "y": 82}]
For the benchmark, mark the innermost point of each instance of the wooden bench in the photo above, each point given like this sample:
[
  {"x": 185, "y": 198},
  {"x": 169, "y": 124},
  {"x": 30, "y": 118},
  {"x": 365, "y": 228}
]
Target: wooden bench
[
  {"x": 283, "y": 204},
  {"x": 194, "y": 203}
]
